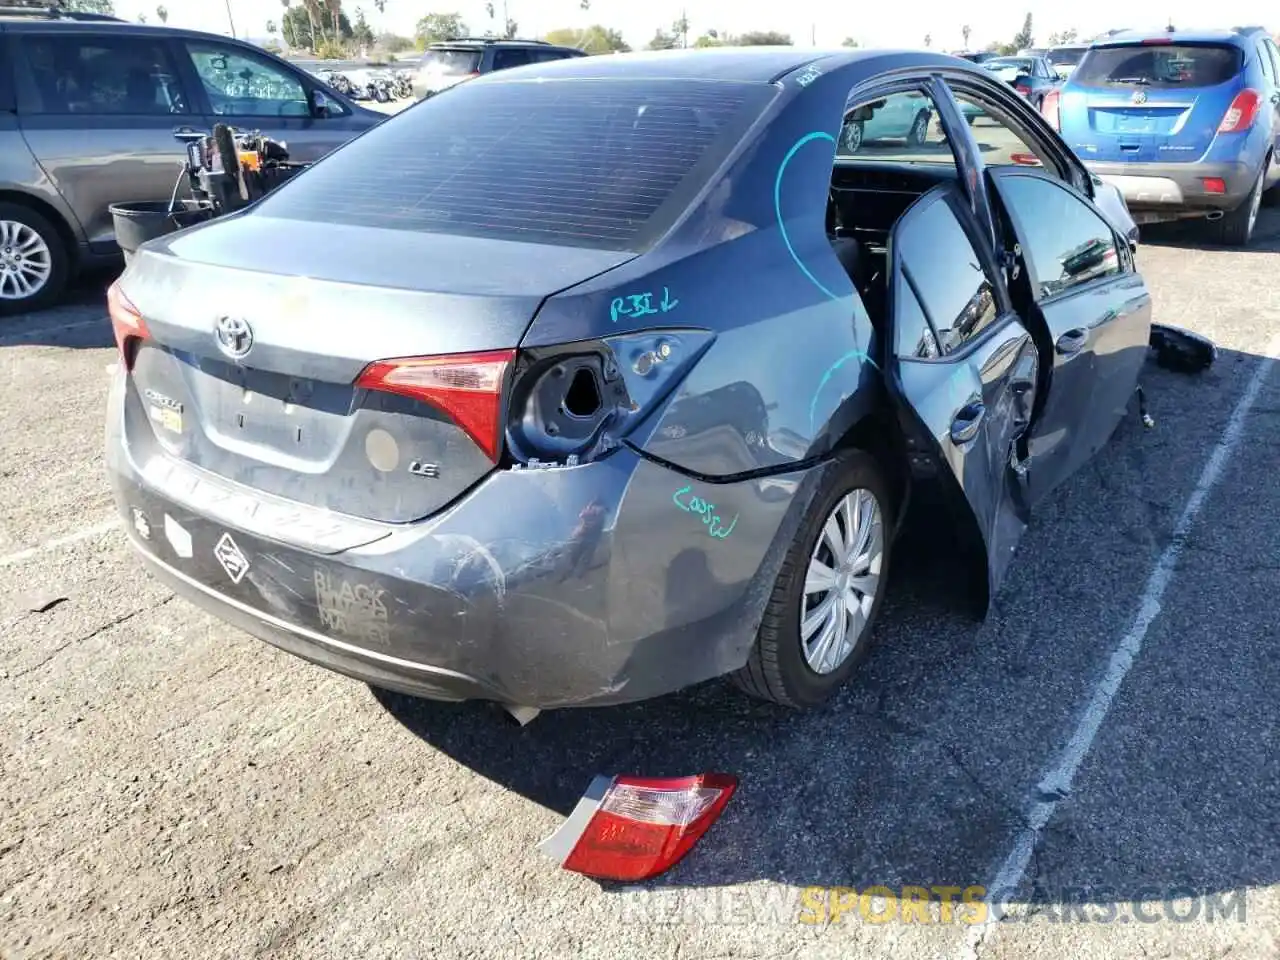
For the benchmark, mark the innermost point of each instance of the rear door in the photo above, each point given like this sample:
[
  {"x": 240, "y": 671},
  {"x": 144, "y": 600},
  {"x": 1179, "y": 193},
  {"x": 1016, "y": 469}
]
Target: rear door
[
  {"x": 962, "y": 369},
  {"x": 252, "y": 91},
  {"x": 1269, "y": 57},
  {"x": 99, "y": 112},
  {"x": 1155, "y": 101},
  {"x": 1097, "y": 313}
]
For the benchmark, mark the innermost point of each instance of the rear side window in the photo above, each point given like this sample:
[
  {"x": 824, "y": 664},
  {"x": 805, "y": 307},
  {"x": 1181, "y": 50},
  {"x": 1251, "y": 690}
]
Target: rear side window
[
  {"x": 103, "y": 75},
  {"x": 504, "y": 59},
  {"x": 594, "y": 163},
  {"x": 1066, "y": 56},
  {"x": 450, "y": 63},
  {"x": 1159, "y": 65}
]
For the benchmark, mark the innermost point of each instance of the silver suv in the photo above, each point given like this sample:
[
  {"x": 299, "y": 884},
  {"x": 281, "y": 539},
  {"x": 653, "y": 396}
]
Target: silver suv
[{"x": 89, "y": 110}]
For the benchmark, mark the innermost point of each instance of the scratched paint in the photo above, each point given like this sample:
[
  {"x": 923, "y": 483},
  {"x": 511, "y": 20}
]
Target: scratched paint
[
  {"x": 635, "y": 305},
  {"x": 705, "y": 511}
]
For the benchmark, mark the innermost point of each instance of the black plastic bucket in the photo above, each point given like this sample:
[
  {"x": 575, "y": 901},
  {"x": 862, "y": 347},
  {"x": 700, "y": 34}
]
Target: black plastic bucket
[{"x": 141, "y": 220}]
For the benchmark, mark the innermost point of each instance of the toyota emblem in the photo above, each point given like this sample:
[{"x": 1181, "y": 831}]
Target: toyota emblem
[
  {"x": 235, "y": 336},
  {"x": 1139, "y": 96}
]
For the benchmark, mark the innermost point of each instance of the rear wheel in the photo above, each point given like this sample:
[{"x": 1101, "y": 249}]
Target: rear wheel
[
  {"x": 919, "y": 131},
  {"x": 818, "y": 623},
  {"x": 1236, "y": 228},
  {"x": 851, "y": 138},
  {"x": 1271, "y": 198},
  {"x": 34, "y": 260}
]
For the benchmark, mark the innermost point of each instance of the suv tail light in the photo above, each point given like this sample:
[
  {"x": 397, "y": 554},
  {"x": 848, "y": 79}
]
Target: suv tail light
[
  {"x": 1049, "y": 108},
  {"x": 467, "y": 386},
  {"x": 634, "y": 828},
  {"x": 1242, "y": 112},
  {"x": 126, "y": 323},
  {"x": 1023, "y": 89}
]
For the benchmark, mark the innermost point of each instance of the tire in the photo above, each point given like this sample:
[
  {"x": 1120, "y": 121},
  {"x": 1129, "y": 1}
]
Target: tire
[
  {"x": 1271, "y": 198},
  {"x": 777, "y": 668},
  {"x": 27, "y": 241},
  {"x": 1236, "y": 228},
  {"x": 919, "y": 131},
  {"x": 851, "y": 137}
]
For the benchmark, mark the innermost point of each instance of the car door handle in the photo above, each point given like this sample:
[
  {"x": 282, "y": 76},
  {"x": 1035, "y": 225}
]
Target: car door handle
[
  {"x": 1072, "y": 341},
  {"x": 965, "y": 424}
]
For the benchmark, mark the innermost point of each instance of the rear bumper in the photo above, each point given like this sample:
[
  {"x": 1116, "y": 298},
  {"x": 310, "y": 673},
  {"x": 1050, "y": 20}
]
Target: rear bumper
[
  {"x": 541, "y": 588},
  {"x": 1172, "y": 190}
]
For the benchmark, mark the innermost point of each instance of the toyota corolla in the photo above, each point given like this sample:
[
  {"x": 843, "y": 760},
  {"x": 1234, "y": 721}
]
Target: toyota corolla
[{"x": 587, "y": 381}]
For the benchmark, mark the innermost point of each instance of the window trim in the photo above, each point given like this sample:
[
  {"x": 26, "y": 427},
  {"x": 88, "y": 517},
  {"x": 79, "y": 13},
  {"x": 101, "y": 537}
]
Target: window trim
[
  {"x": 1274, "y": 53},
  {"x": 28, "y": 100},
  {"x": 1266, "y": 62},
  {"x": 950, "y": 195},
  {"x": 1028, "y": 263},
  {"x": 183, "y": 48}
]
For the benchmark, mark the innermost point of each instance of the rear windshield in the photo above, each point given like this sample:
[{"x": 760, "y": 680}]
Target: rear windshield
[
  {"x": 1066, "y": 56},
  {"x": 594, "y": 163},
  {"x": 1009, "y": 63},
  {"x": 450, "y": 63},
  {"x": 1158, "y": 65}
]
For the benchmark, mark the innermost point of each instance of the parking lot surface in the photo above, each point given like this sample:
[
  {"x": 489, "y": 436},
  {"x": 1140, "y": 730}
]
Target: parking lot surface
[{"x": 171, "y": 787}]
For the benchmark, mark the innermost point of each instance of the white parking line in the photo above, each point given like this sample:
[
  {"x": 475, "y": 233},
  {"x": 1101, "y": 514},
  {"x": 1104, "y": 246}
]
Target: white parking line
[
  {"x": 1057, "y": 780},
  {"x": 84, "y": 533}
]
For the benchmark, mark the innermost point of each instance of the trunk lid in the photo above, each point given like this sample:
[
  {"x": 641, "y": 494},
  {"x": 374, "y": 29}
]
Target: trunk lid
[
  {"x": 1147, "y": 103},
  {"x": 286, "y": 418}
]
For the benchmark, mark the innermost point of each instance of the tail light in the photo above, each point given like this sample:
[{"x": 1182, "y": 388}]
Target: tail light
[
  {"x": 1050, "y": 107},
  {"x": 467, "y": 386},
  {"x": 126, "y": 323},
  {"x": 634, "y": 828},
  {"x": 1242, "y": 112},
  {"x": 1022, "y": 89}
]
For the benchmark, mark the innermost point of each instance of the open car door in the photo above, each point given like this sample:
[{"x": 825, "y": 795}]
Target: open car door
[{"x": 962, "y": 370}]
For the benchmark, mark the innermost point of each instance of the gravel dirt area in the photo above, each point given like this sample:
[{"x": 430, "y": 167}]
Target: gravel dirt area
[{"x": 170, "y": 787}]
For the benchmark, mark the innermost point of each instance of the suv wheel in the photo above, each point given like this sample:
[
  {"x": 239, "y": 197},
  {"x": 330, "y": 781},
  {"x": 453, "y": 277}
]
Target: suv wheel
[
  {"x": 1236, "y": 228},
  {"x": 34, "y": 262},
  {"x": 817, "y": 626}
]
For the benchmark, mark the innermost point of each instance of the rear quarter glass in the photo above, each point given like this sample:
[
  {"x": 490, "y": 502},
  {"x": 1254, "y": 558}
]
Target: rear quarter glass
[
  {"x": 606, "y": 164},
  {"x": 1159, "y": 65},
  {"x": 450, "y": 63}
]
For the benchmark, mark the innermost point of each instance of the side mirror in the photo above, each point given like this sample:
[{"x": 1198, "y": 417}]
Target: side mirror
[{"x": 321, "y": 106}]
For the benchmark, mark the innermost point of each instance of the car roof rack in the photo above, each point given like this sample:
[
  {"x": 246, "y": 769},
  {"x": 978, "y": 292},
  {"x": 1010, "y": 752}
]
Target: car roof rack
[
  {"x": 51, "y": 10},
  {"x": 1252, "y": 29},
  {"x": 445, "y": 43}
]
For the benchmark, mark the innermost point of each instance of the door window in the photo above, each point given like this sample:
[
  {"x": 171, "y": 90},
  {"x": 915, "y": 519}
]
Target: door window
[
  {"x": 1002, "y": 140},
  {"x": 1065, "y": 243},
  {"x": 115, "y": 76},
  {"x": 900, "y": 127},
  {"x": 240, "y": 84},
  {"x": 944, "y": 268}
]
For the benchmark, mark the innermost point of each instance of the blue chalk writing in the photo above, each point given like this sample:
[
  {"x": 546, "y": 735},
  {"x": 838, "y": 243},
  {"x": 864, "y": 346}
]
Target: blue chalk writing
[
  {"x": 706, "y": 511},
  {"x": 641, "y": 305}
]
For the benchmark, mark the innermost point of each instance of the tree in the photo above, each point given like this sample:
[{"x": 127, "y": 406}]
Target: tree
[
  {"x": 709, "y": 39},
  {"x": 850, "y": 42},
  {"x": 928, "y": 39},
  {"x": 361, "y": 32},
  {"x": 762, "y": 38},
  {"x": 296, "y": 26},
  {"x": 662, "y": 41},
  {"x": 1024, "y": 38},
  {"x": 393, "y": 42},
  {"x": 680, "y": 30},
  {"x": 271, "y": 28},
  {"x": 594, "y": 39},
  {"x": 162, "y": 12},
  {"x": 964, "y": 32},
  {"x": 436, "y": 27},
  {"x": 380, "y": 6},
  {"x": 104, "y": 7},
  {"x": 1063, "y": 37},
  {"x": 142, "y": 18}
]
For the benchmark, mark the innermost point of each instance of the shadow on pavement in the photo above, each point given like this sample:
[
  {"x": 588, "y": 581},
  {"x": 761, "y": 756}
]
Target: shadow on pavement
[
  {"x": 922, "y": 769},
  {"x": 1192, "y": 234},
  {"x": 78, "y": 322}
]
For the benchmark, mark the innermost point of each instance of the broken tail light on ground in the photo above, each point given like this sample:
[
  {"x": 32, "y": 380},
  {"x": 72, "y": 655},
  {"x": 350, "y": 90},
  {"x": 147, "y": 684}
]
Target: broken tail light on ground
[
  {"x": 468, "y": 387},
  {"x": 634, "y": 828},
  {"x": 126, "y": 323}
]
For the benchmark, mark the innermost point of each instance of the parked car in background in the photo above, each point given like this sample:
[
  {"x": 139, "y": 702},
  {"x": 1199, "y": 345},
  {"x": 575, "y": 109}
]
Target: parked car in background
[
  {"x": 449, "y": 62},
  {"x": 1185, "y": 123},
  {"x": 640, "y": 401},
  {"x": 896, "y": 118},
  {"x": 89, "y": 109},
  {"x": 1031, "y": 76},
  {"x": 979, "y": 56},
  {"x": 1064, "y": 59}
]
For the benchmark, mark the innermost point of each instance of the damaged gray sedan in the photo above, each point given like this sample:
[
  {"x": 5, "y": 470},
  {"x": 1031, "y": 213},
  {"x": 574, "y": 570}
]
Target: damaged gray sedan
[{"x": 587, "y": 381}]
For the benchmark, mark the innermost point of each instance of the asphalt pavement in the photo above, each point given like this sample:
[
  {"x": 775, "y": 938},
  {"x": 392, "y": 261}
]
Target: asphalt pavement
[{"x": 172, "y": 787}]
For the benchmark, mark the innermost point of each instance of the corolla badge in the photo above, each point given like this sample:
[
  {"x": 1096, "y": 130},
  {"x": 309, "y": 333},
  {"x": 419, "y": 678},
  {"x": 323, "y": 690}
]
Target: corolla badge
[
  {"x": 235, "y": 336},
  {"x": 1139, "y": 96}
]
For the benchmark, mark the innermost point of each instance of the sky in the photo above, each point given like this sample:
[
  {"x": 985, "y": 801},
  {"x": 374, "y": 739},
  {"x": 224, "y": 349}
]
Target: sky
[{"x": 823, "y": 22}]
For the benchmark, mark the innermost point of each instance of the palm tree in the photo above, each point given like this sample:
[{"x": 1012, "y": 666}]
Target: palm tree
[
  {"x": 335, "y": 12},
  {"x": 313, "y": 12},
  {"x": 964, "y": 32},
  {"x": 163, "y": 13},
  {"x": 928, "y": 39}
]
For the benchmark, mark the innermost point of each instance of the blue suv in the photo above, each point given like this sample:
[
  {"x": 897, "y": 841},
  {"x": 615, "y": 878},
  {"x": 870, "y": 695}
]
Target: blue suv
[{"x": 1184, "y": 123}]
